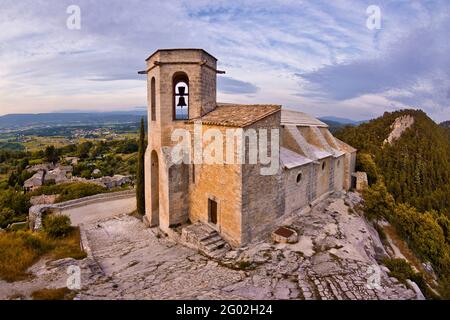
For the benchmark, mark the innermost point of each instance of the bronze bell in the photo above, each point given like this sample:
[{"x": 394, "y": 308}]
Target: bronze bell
[{"x": 181, "y": 102}]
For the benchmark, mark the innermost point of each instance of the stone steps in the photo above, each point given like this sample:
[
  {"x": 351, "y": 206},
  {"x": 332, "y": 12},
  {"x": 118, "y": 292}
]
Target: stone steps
[
  {"x": 206, "y": 239},
  {"x": 214, "y": 244}
]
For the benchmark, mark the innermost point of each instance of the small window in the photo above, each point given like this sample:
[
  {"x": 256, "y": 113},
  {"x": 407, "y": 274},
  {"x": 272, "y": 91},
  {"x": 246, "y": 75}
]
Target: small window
[
  {"x": 323, "y": 165},
  {"x": 339, "y": 163},
  {"x": 193, "y": 173},
  {"x": 299, "y": 177},
  {"x": 181, "y": 97},
  {"x": 153, "y": 98}
]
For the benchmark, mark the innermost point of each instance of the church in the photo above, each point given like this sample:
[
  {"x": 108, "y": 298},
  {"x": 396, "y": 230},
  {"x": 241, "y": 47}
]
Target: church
[{"x": 233, "y": 198}]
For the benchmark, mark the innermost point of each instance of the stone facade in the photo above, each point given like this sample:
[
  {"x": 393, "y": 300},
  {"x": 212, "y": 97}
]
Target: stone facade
[{"x": 235, "y": 199}]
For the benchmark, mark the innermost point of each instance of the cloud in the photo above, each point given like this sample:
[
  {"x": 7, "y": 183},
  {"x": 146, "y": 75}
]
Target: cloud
[
  {"x": 317, "y": 56},
  {"x": 230, "y": 85},
  {"x": 420, "y": 55}
]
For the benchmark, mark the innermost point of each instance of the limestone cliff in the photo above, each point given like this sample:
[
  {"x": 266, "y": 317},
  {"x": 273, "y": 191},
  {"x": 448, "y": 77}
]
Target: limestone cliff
[{"x": 398, "y": 127}]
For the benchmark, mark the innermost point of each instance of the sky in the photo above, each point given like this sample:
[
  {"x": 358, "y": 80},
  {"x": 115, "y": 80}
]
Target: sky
[{"x": 316, "y": 56}]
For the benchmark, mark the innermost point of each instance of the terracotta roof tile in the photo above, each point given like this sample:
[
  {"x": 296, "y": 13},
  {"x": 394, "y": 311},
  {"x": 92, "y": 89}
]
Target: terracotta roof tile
[{"x": 238, "y": 115}]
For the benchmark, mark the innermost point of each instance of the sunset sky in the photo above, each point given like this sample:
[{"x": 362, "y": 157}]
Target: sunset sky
[{"x": 314, "y": 56}]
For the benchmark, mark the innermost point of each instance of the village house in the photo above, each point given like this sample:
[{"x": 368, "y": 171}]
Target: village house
[
  {"x": 45, "y": 173},
  {"x": 236, "y": 200},
  {"x": 35, "y": 182}
]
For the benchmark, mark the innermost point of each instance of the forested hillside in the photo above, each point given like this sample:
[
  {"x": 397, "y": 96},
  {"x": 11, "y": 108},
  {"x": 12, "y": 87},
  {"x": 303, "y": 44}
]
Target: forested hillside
[
  {"x": 416, "y": 167},
  {"x": 409, "y": 182}
]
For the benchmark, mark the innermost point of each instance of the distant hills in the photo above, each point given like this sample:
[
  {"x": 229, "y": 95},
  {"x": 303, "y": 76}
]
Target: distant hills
[
  {"x": 26, "y": 121},
  {"x": 338, "y": 120}
]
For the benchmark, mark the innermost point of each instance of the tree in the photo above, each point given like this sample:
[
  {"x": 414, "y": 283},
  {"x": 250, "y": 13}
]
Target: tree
[
  {"x": 378, "y": 202},
  {"x": 83, "y": 149},
  {"x": 140, "y": 173},
  {"x": 364, "y": 162},
  {"x": 51, "y": 154}
]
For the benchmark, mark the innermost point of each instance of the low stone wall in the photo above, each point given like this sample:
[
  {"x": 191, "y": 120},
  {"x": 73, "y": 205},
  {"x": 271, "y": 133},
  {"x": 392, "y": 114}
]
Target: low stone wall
[
  {"x": 35, "y": 213},
  {"x": 95, "y": 198}
]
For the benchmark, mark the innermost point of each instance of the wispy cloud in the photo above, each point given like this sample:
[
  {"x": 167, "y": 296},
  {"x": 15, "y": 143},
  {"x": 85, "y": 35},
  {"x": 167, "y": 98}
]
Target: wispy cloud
[
  {"x": 233, "y": 86},
  {"x": 316, "y": 56}
]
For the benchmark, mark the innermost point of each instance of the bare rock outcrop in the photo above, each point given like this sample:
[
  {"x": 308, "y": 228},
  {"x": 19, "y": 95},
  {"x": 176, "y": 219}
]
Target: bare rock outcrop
[{"x": 398, "y": 127}]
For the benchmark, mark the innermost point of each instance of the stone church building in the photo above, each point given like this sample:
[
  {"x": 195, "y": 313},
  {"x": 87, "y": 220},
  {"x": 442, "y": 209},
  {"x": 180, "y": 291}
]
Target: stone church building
[{"x": 234, "y": 199}]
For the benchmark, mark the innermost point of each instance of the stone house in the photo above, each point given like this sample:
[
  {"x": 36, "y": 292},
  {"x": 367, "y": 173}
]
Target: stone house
[
  {"x": 60, "y": 174},
  {"x": 238, "y": 199},
  {"x": 35, "y": 182}
]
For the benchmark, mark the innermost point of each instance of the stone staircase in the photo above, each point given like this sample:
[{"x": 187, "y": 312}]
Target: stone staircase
[{"x": 205, "y": 239}]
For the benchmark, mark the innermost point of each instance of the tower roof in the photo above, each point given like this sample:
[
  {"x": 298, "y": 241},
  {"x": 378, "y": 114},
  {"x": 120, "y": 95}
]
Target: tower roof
[{"x": 180, "y": 49}]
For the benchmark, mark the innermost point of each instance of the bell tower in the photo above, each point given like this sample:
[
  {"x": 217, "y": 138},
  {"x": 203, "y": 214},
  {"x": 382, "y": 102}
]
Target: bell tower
[{"x": 181, "y": 85}]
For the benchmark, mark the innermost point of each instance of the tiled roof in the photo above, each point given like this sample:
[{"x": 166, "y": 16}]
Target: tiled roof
[
  {"x": 297, "y": 118},
  {"x": 238, "y": 115},
  {"x": 291, "y": 159}
]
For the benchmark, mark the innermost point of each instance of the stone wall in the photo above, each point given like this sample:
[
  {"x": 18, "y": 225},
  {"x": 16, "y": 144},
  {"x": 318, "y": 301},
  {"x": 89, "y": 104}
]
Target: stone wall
[
  {"x": 178, "y": 193},
  {"x": 223, "y": 184},
  {"x": 262, "y": 195},
  {"x": 339, "y": 164},
  {"x": 349, "y": 168},
  {"x": 323, "y": 176},
  {"x": 296, "y": 193},
  {"x": 35, "y": 212}
]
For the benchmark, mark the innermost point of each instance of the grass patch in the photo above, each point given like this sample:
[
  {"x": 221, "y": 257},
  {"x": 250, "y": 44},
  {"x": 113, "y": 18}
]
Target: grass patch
[
  {"x": 53, "y": 294},
  {"x": 20, "y": 250},
  {"x": 244, "y": 265}
]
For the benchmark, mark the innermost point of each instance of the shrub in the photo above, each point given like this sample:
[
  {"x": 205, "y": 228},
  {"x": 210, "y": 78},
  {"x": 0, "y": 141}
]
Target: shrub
[
  {"x": 17, "y": 201},
  {"x": 57, "y": 226},
  {"x": 19, "y": 250},
  {"x": 70, "y": 191},
  {"x": 378, "y": 203},
  {"x": 6, "y": 217},
  {"x": 399, "y": 268},
  {"x": 402, "y": 270},
  {"x": 79, "y": 190},
  {"x": 53, "y": 294},
  {"x": 17, "y": 253},
  {"x": 364, "y": 162},
  {"x": 244, "y": 265}
]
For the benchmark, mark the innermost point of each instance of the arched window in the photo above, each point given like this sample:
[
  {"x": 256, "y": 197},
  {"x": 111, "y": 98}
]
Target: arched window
[
  {"x": 180, "y": 97},
  {"x": 153, "y": 98},
  {"x": 299, "y": 177}
]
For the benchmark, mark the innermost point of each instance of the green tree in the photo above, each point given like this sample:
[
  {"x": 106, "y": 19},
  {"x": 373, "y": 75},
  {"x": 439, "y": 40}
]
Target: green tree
[
  {"x": 378, "y": 203},
  {"x": 7, "y": 216},
  {"x": 140, "y": 173},
  {"x": 51, "y": 154},
  {"x": 364, "y": 162},
  {"x": 83, "y": 149}
]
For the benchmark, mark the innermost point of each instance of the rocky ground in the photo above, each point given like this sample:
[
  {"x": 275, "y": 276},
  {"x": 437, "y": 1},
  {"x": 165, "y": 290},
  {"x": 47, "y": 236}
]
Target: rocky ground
[{"x": 335, "y": 258}]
